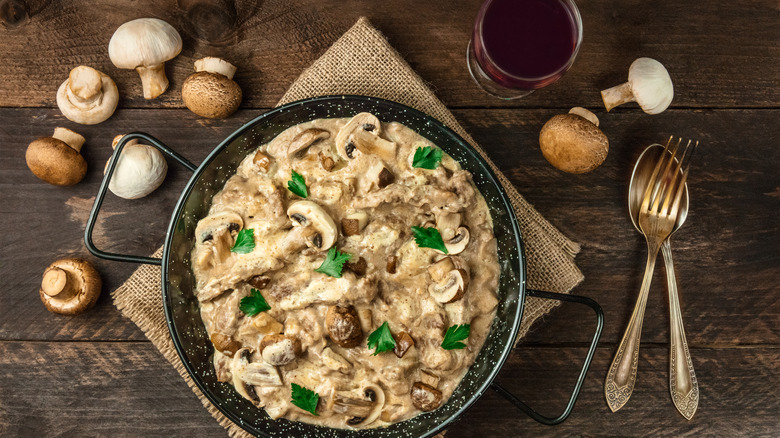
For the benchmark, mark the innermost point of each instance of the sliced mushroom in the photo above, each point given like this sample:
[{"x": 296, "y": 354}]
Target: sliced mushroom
[
  {"x": 361, "y": 407},
  {"x": 451, "y": 277},
  {"x": 312, "y": 227},
  {"x": 403, "y": 342},
  {"x": 70, "y": 286},
  {"x": 238, "y": 369},
  {"x": 455, "y": 236},
  {"x": 343, "y": 326},
  {"x": 224, "y": 220},
  {"x": 334, "y": 361},
  {"x": 353, "y": 222},
  {"x": 225, "y": 344},
  {"x": 361, "y": 135},
  {"x": 425, "y": 397},
  {"x": 262, "y": 161},
  {"x": 278, "y": 350},
  {"x": 306, "y": 138},
  {"x": 458, "y": 242},
  {"x": 247, "y": 374}
]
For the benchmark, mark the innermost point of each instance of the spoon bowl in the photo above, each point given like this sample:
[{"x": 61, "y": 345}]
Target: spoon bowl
[{"x": 643, "y": 170}]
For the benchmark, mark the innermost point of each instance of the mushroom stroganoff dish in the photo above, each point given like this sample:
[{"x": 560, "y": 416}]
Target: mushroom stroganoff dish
[{"x": 346, "y": 274}]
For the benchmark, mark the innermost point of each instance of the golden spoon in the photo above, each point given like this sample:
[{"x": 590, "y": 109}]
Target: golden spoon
[{"x": 682, "y": 379}]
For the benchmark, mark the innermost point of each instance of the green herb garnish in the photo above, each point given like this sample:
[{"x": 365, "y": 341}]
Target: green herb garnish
[
  {"x": 454, "y": 335},
  {"x": 254, "y": 303},
  {"x": 427, "y": 157},
  {"x": 245, "y": 242},
  {"x": 429, "y": 238},
  {"x": 305, "y": 399},
  {"x": 333, "y": 263},
  {"x": 381, "y": 339},
  {"x": 297, "y": 185}
]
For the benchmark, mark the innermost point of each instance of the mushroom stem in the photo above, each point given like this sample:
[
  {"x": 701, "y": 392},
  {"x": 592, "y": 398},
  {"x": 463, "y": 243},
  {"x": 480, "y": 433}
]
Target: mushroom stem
[
  {"x": 585, "y": 114},
  {"x": 85, "y": 87},
  {"x": 153, "y": 80},
  {"x": 210, "y": 64},
  {"x": 72, "y": 139},
  {"x": 55, "y": 283},
  {"x": 617, "y": 95}
]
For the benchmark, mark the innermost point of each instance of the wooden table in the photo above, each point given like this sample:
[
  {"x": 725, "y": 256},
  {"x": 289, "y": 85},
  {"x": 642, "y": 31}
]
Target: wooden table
[{"x": 97, "y": 375}]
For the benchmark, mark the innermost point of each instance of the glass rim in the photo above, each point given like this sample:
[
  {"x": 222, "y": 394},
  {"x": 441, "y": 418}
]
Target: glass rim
[{"x": 578, "y": 25}]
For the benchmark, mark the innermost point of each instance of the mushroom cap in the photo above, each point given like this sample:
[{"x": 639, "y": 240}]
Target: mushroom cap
[
  {"x": 211, "y": 95},
  {"x": 55, "y": 162},
  {"x": 573, "y": 144},
  {"x": 651, "y": 85},
  {"x": 316, "y": 217},
  {"x": 78, "y": 292},
  {"x": 84, "y": 82},
  {"x": 139, "y": 171},
  {"x": 143, "y": 42}
]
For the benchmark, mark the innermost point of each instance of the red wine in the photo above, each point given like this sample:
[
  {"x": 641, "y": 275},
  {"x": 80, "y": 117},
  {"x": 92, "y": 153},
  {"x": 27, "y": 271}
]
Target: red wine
[{"x": 526, "y": 44}]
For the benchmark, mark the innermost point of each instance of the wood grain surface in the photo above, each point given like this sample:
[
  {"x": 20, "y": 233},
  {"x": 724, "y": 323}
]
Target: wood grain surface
[{"x": 96, "y": 375}]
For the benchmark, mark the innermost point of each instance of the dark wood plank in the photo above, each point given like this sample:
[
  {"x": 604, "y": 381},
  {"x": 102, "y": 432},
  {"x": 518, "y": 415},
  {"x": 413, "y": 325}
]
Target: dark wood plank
[
  {"x": 725, "y": 255},
  {"x": 96, "y": 389},
  {"x": 128, "y": 389},
  {"x": 719, "y": 53}
]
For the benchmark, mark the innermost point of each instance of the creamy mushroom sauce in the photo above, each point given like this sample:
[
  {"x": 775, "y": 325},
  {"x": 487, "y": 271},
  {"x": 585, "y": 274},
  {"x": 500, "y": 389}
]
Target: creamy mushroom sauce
[{"x": 357, "y": 389}]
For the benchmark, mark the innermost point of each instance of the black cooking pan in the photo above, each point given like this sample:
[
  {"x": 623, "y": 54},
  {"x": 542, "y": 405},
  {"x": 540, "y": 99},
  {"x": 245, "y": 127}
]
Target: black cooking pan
[{"x": 181, "y": 306}]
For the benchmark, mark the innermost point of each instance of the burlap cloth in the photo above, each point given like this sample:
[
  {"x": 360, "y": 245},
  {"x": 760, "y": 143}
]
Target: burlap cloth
[{"x": 363, "y": 62}]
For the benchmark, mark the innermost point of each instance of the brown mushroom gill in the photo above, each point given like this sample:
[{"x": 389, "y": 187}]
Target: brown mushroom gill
[{"x": 315, "y": 333}]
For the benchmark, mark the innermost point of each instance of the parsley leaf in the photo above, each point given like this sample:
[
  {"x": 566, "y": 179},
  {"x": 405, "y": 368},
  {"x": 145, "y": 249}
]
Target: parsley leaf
[
  {"x": 454, "y": 335},
  {"x": 429, "y": 238},
  {"x": 254, "y": 303},
  {"x": 245, "y": 242},
  {"x": 427, "y": 157},
  {"x": 333, "y": 263},
  {"x": 381, "y": 339},
  {"x": 305, "y": 399},
  {"x": 297, "y": 185}
]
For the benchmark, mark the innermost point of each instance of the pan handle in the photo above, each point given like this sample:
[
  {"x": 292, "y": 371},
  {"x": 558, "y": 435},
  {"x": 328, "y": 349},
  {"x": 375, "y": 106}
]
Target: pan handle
[
  {"x": 591, "y": 351},
  {"x": 93, "y": 215}
]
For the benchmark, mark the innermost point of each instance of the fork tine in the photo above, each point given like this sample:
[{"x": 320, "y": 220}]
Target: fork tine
[
  {"x": 653, "y": 183},
  {"x": 681, "y": 188},
  {"x": 673, "y": 179},
  {"x": 663, "y": 180}
]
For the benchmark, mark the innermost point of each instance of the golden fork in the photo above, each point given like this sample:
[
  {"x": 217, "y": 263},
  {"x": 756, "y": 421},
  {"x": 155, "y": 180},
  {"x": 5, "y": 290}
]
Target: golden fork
[{"x": 657, "y": 216}]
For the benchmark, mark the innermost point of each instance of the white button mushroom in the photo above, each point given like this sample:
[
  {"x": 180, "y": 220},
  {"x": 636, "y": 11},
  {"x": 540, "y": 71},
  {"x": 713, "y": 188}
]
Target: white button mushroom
[
  {"x": 139, "y": 171},
  {"x": 210, "y": 91},
  {"x": 361, "y": 134},
  {"x": 144, "y": 45},
  {"x": 87, "y": 96},
  {"x": 57, "y": 159},
  {"x": 648, "y": 84}
]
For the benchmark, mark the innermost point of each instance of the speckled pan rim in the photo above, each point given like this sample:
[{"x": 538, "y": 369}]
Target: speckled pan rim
[{"x": 341, "y": 99}]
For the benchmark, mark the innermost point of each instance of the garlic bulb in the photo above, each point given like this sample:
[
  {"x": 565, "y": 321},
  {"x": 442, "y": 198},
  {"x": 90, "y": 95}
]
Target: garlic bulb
[
  {"x": 648, "y": 84},
  {"x": 139, "y": 171}
]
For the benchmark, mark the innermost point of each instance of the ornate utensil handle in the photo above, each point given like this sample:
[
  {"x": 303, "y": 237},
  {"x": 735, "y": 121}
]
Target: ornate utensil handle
[
  {"x": 682, "y": 379},
  {"x": 622, "y": 373}
]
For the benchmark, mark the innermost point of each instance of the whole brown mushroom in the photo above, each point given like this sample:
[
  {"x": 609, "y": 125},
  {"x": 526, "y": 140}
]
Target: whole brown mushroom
[
  {"x": 573, "y": 142},
  {"x": 210, "y": 91},
  {"x": 70, "y": 286},
  {"x": 57, "y": 159}
]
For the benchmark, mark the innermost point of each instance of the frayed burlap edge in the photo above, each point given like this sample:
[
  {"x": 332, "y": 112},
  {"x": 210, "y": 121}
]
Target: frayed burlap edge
[{"x": 363, "y": 62}]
